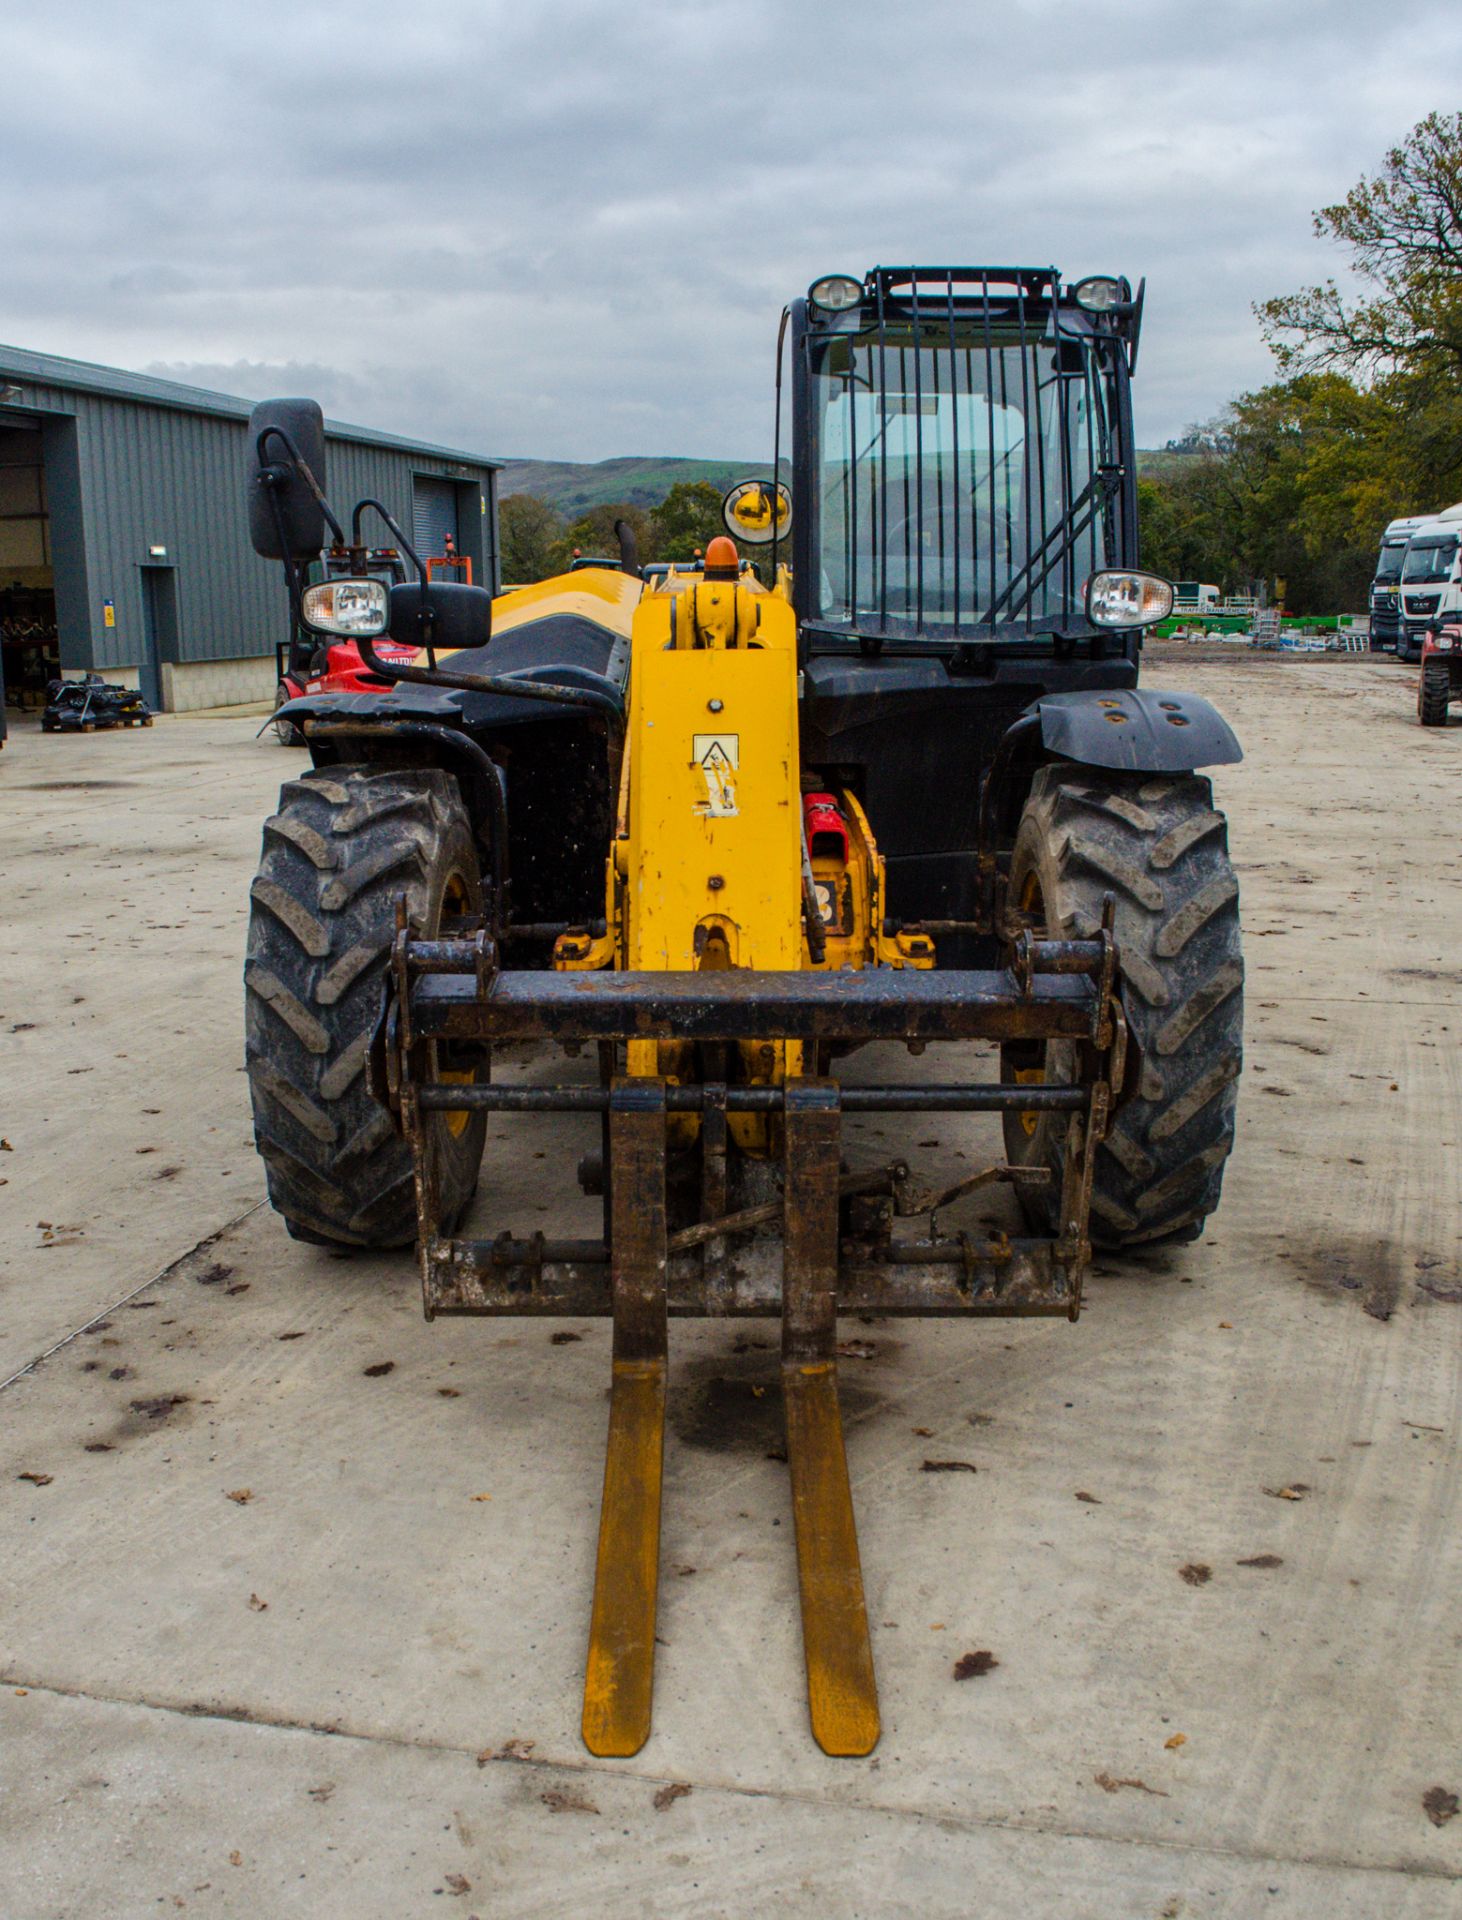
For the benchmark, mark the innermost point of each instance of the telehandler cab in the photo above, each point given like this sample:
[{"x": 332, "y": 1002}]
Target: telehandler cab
[{"x": 728, "y": 828}]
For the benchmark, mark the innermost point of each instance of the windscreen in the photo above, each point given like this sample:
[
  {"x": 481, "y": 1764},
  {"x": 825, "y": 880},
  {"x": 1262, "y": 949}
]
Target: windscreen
[
  {"x": 1388, "y": 567},
  {"x": 1429, "y": 560},
  {"x": 958, "y": 481}
]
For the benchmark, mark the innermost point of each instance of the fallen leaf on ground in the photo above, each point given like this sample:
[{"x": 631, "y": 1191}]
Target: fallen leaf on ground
[
  {"x": 37, "y": 1479},
  {"x": 563, "y": 1337},
  {"x": 516, "y": 1749},
  {"x": 668, "y": 1794},
  {"x": 1109, "y": 1785},
  {"x": 856, "y": 1349},
  {"x": 558, "y": 1801},
  {"x": 949, "y": 1466},
  {"x": 214, "y": 1275},
  {"x": 1261, "y": 1560},
  {"x": 456, "y": 1883},
  {"x": 1296, "y": 1492},
  {"x": 482, "y": 1496},
  {"x": 322, "y": 1793},
  {"x": 971, "y": 1666},
  {"x": 379, "y": 1369},
  {"x": 98, "y": 1446},
  {"x": 450, "y": 1393},
  {"x": 1227, "y": 1325},
  {"x": 1090, "y": 1499},
  {"x": 291, "y": 1336},
  {"x": 1195, "y": 1573},
  {"x": 925, "y": 1433},
  {"x": 242, "y": 1287},
  {"x": 236, "y": 1859},
  {"x": 241, "y": 1496},
  {"x": 1178, "y": 1740},
  {"x": 1440, "y": 1806},
  {"x": 256, "y": 1605}
]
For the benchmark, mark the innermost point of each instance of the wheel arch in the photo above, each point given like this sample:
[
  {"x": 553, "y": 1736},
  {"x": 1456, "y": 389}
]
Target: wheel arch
[{"x": 1126, "y": 729}]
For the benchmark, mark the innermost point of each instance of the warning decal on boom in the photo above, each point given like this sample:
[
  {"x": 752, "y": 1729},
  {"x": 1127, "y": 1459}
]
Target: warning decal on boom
[{"x": 718, "y": 755}]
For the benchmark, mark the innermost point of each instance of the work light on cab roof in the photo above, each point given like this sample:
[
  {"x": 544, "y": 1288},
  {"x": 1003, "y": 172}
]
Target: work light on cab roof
[
  {"x": 1101, "y": 293},
  {"x": 835, "y": 292}
]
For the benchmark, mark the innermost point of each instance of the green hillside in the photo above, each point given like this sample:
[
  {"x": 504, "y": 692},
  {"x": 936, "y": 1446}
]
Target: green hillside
[
  {"x": 642, "y": 480},
  {"x": 636, "y": 480}
]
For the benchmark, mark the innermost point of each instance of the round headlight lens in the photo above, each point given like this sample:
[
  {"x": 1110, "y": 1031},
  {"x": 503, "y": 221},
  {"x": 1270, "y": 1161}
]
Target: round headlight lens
[
  {"x": 1098, "y": 293},
  {"x": 350, "y": 608},
  {"x": 1125, "y": 599},
  {"x": 835, "y": 292}
]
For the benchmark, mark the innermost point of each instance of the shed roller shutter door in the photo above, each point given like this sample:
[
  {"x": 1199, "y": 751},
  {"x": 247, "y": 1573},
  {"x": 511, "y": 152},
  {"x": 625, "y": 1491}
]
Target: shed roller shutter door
[{"x": 433, "y": 516}]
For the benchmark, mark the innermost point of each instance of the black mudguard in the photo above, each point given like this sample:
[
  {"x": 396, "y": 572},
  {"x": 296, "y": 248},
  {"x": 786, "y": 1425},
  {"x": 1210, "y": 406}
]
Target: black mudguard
[{"x": 1137, "y": 729}]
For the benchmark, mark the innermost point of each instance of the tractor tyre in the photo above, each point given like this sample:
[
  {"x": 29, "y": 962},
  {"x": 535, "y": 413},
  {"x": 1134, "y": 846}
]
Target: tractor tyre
[
  {"x": 1156, "y": 843},
  {"x": 1434, "y": 690},
  {"x": 285, "y": 731},
  {"x": 346, "y": 844}
]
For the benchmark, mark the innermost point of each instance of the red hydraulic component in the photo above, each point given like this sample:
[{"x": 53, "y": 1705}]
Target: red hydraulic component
[{"x": 827, "y": 831}]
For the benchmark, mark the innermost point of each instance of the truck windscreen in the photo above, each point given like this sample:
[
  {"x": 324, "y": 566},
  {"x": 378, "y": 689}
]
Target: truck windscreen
[
  {"x": 962, "y": 481},
  {"x": 1388, "y": 567},
  {"x": 1429, "y": 560}
]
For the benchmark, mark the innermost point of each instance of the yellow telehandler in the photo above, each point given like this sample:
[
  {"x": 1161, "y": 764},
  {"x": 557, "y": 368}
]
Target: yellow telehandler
[{"x": 724, "y": 824}]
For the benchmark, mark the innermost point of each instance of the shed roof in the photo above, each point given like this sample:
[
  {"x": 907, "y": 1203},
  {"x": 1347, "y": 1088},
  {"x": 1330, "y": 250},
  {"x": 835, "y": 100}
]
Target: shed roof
[{"x": 19, "y": 364}]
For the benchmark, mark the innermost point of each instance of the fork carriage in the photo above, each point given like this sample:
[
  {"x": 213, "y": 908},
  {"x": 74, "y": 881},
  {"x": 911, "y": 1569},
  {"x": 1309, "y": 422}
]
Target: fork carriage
[{"x": 840, "y": 1248}]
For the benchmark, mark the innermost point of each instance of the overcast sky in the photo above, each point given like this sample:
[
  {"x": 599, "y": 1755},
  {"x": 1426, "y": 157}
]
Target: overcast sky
[{"x": 564, "y": 229}]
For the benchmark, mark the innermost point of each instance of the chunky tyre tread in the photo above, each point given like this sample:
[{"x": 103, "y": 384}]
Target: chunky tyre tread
[
  {"x": 1432, "y": 696},
  {"x": 342, "y": 850},
  {"x": 1161, "y": 848}
]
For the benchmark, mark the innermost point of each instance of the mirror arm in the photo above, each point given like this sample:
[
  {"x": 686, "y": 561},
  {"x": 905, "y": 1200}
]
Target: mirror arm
[
  {"x": 412, "y": 555},
  {"x": 301, "y": 467}
]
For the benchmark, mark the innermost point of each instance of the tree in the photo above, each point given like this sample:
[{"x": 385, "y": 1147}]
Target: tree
[
  {"x": 527, "y": 530},
  {"x": 686, "y": 521},
  {"x": 593, "y": 536},
  {"x": 1404, "y": 232}
]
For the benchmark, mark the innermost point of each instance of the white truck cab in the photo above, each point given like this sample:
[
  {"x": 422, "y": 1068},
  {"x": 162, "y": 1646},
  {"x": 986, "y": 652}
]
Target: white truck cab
[
  {"x": 1386, "y": 586},
  {"x": 1431, "y": 579}
]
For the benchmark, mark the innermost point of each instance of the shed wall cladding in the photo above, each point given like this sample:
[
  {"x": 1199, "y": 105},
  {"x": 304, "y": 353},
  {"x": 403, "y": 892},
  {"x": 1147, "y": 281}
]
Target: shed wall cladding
[{"x": 132, "y": 475}]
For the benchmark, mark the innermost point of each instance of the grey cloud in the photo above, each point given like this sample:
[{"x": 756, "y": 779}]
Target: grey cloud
[{"x": 560, "y": 230}]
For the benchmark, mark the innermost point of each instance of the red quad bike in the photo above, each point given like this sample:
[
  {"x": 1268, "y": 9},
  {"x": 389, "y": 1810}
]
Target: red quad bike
[{"x": 1440, "y": 680}]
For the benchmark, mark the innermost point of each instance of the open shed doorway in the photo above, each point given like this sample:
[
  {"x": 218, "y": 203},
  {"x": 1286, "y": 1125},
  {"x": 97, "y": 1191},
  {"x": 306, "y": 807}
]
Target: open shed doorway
[{"x": 28, "y": 636}]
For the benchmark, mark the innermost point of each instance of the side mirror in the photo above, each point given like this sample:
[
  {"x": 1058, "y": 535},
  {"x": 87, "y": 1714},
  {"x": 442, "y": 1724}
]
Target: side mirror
[
  {"x": 286, "y": 507},
  {"x": 757, "y": 513},
  {"x": 447, "y": 616}
]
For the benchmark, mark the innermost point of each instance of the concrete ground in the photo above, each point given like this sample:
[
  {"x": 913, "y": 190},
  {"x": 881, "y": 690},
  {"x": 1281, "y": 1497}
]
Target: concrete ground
[{"x": 288, "y": 1634}]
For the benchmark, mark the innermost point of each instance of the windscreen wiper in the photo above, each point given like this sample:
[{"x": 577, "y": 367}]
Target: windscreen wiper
[{"x": 1058, "y": 543}]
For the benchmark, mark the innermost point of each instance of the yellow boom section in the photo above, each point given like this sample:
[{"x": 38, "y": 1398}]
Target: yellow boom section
[{"x": 711, "y": 860}]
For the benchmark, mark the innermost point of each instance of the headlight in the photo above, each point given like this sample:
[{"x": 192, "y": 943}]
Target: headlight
[
  {"x": 354, "y": 609},
  {"x": 835, "y": 292},
  {"x": 1098, "y": 293},
  {"x": 1128, "y": 599}
]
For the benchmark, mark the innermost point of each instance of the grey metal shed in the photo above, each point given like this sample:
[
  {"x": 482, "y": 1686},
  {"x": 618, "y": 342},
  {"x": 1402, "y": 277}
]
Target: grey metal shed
[{"x": 124, "y": 546}]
